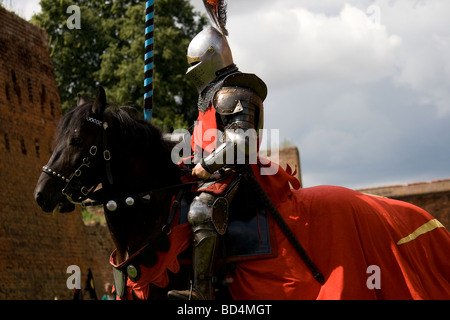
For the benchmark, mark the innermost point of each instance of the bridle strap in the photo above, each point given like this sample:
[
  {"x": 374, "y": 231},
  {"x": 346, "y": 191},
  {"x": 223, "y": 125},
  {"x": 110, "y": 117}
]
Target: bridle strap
[
  {"x": 106, "y": 152},
  {"x": 107, "y": 158},
  {"x": 55, "y": 174},
  {"x": 99, "y": 197},
  {"x": 74, "y": 190},
  {"x": 74, "y": 186}
]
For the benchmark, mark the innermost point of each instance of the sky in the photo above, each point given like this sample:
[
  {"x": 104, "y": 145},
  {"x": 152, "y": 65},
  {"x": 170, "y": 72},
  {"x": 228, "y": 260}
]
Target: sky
[{"x": 362, "y": 88}]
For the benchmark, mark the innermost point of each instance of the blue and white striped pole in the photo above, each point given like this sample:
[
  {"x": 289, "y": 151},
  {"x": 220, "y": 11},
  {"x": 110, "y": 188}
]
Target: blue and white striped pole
[{"x": 148, "y": 59}]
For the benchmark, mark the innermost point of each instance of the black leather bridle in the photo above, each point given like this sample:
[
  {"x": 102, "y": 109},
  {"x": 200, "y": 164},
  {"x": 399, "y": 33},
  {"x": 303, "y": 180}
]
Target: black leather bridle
[{"x": 75, "y": 189}]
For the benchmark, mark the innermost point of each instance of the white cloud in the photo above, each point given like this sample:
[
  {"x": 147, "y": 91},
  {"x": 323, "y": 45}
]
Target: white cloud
[
  {"x": 366, "y": 104},
  {"x": 290, "y": 42},
  {"x": 423, "y": 61},
  {"x": 294, "y": 45}
]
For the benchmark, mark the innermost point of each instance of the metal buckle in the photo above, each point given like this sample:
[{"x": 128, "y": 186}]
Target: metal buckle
[
  {"x": 84, "y": 191},
  {"x": 107, "y": 155},
  {"x": 166, "y": 229},
  {"x": 93, "y": 150}
]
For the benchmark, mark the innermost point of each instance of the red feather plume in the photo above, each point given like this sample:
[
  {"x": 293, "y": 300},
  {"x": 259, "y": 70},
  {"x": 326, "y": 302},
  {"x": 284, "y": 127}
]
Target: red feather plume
[{"x": 217, "y": 10}]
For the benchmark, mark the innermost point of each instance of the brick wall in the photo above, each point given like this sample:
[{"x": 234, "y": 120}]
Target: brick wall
[
  {"x": 432, "y": 196},
  {"x": 437, "y": 204},
  {"x": 35, "y": 248},
  {"x": 288, "y": 156}
]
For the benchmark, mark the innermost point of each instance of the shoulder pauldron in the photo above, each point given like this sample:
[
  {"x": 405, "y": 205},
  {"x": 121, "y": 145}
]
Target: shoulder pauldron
[
  {"x": 232, "y": 100},
  {"x": 239, "y": 90}
]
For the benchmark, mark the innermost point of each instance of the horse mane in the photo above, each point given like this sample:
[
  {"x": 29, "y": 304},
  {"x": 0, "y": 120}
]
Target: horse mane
[
  {"x": 128, "y": 134},
  {"x": 133, "y": 132},
  {"x": 133, "y": 129},
  {"x": 72, "y": 120}
]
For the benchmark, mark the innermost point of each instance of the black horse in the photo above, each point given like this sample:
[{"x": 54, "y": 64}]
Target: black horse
[
  {"x": 112, "y": 147},
  {"x": 346, "y": 233}
]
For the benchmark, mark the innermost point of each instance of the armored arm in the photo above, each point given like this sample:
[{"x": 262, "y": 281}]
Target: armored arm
[{"x": 240, "y": 110}]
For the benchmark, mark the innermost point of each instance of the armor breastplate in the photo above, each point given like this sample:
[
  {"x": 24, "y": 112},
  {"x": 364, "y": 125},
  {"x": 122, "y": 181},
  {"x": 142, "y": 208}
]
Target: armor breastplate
[{"x": 238, "y": 104}]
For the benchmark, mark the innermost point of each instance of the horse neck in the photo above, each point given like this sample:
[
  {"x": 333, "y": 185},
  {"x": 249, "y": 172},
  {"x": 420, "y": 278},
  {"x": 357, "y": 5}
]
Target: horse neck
[
  {"x": 142, "y": 161},
  {"x": 137, "y": 173},
  {"x": 144, "y": 169}
]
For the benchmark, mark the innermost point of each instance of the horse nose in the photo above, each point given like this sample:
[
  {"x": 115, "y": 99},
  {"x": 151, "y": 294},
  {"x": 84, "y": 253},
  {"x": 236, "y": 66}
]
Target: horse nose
[{"x": 40, "y": 199}]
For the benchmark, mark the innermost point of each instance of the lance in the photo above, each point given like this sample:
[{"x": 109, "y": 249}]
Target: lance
[{"x": 148, "y": 59}]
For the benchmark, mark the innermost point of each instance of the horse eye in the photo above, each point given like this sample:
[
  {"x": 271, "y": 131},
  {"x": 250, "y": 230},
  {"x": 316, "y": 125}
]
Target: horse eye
[{"x": 76, "y": 141}]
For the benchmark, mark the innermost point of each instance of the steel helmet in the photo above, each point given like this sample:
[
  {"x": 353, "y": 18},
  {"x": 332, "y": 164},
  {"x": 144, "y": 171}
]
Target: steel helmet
[{"x": 207, "y": 53}]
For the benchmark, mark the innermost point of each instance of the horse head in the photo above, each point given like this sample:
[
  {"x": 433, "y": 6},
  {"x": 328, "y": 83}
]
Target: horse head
[
  {"x": 67, "y": 176},
  {"x": 101, "y": 146}
]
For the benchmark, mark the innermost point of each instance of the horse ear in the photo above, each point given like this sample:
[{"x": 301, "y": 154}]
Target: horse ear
[
  {"x": 81, "y": 100},
  {"x": 100, "y": 102}
]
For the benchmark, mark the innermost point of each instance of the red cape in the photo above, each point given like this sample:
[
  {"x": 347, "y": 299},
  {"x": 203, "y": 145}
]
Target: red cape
[
  {"x": 347, "y": 234},
  {"x": 358, "y": 242}
]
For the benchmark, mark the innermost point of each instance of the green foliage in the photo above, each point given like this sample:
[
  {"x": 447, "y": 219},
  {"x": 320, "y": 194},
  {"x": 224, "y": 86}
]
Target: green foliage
[
  {"x": 90, "y": 216},
  {"x": 108, "y": 50}
]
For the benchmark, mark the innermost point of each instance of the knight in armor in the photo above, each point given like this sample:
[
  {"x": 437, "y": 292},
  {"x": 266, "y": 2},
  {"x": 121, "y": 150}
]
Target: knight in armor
[{"x": 230, "y": 102}]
